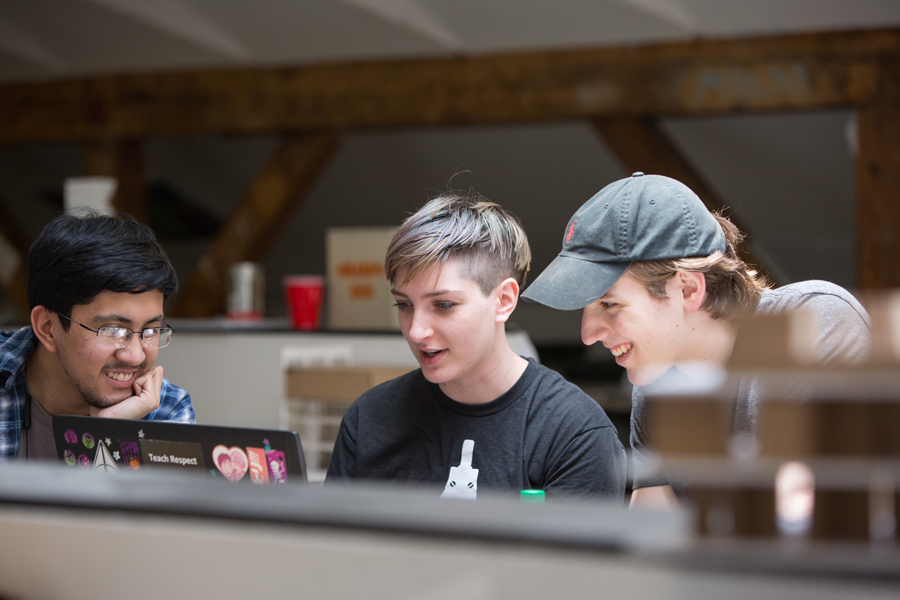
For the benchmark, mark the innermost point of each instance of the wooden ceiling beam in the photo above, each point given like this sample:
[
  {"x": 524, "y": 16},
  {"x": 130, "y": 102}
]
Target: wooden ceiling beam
[
  {"x": 878, "y": 186},
  {"x": 808, "y": 71},
  {"x": 640, "y": 145},
  {"x": 253, "y": 228},
  {"x": 123, "y": 160},
  {"x": 14, "y": 276}
]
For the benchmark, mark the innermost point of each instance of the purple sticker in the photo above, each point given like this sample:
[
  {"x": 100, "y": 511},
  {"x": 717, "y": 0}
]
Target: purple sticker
[
  {"x": 84, "y": 461},
  {"x": 69, "y": 457},
  {"x": 88, "y": 441},
  {"x": 71, "y": 436},
  {"x": 131, "y": 455},
  {"x": 277, "y": 468}
]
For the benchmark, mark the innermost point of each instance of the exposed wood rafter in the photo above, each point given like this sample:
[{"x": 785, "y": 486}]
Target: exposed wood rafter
[
  {"x": 124, "y": 160},
  {"x": 14, "y": 271},
  {"x": 640, "y": 145},
  {"x": 809, "y": 71},
  {"x": 878, "y": 184},
  {"x": 277, "y": 192}
]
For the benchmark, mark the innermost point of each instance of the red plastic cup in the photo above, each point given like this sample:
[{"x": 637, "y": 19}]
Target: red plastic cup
[{"x": 304, "y": 300}]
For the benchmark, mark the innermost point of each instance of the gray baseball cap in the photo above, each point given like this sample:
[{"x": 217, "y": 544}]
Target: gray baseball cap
[{"x": 642, "y": 217}]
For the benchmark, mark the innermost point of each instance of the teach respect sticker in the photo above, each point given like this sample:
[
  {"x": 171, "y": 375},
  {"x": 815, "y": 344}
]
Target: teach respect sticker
[{"x": 183, "y": 455}]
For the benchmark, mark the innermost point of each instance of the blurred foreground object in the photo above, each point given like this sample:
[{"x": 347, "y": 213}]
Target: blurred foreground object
[{"x": 821, "y": 461}]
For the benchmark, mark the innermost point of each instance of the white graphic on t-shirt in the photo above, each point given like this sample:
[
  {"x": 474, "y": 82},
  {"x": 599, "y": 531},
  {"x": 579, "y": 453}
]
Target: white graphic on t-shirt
[{"x": 463, "y": 481}]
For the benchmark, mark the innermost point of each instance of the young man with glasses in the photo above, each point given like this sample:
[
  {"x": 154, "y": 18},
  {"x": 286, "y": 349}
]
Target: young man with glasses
[{"x": 97, "y": 285}]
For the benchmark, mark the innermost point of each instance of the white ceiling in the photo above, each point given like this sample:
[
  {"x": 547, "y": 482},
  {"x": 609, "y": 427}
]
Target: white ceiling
[{"x": 45, "y": 39}]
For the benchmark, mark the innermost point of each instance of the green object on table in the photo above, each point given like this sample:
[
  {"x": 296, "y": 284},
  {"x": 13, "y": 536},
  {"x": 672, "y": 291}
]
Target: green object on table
[{"x": 532, "y": 496}]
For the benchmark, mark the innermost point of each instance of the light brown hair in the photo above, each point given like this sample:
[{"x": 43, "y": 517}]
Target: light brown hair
[
  {"x": 488, "y": 240},
  {"x": 731, "y": 284}
]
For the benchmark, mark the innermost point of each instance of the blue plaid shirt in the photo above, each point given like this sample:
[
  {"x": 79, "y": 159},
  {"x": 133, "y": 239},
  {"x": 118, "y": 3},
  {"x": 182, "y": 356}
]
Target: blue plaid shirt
[{"x": 15, "y": 348}]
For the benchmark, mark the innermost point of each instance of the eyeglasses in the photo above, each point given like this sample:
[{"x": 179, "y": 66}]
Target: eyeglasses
[{"x": 118, "y": 337}]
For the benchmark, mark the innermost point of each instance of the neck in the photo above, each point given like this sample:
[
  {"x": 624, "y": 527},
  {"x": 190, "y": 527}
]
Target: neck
[
  {"x": 46, "y": 379},
  {"x": 492, "y": 380},
  {"x": 711, "y": 340}
]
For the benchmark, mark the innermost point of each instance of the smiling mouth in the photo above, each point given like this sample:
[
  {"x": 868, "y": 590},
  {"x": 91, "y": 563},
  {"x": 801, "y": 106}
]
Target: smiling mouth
[
  {"x": 119, "y": 376},
  {"x": 621, "y": 349}
]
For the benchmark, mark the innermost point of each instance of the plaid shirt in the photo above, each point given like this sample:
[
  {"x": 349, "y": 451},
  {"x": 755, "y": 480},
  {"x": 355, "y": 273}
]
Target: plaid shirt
[{"x": 15, "y": 348}]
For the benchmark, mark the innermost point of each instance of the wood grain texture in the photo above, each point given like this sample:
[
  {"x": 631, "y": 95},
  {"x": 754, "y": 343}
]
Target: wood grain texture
[
  {"x": 16, "y": 286},
  {"x": 255, "y": 224},
  {"x": 809, "y": 71},
  {"x": 123, "y": 160},
  {"x": 878, "y": 185}
]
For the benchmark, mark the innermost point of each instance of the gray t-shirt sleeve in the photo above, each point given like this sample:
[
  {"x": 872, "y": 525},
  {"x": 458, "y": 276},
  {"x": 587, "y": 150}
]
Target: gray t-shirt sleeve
[{"x": 843, "y": 325}]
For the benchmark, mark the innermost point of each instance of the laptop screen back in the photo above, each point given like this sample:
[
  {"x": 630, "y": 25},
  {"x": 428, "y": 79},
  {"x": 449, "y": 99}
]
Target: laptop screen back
[{"x": 237, "y": 454}]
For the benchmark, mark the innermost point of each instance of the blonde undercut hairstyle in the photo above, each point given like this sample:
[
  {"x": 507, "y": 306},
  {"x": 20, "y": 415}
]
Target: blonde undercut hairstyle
[
  {"x": 488, "y": 241},
  {"x": 732, "y": 286}
]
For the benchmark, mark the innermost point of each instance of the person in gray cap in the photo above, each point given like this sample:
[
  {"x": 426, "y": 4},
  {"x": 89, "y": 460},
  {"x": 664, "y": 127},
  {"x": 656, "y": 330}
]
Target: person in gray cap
[{"x": 660, "y": 282}]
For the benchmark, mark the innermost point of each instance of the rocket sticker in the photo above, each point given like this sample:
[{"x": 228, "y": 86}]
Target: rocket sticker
[{"x": 103, "y": 460}]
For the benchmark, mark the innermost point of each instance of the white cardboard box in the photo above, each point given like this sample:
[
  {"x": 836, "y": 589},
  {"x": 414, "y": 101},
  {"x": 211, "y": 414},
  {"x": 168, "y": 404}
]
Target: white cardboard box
[{"x": 359, "y": 296}]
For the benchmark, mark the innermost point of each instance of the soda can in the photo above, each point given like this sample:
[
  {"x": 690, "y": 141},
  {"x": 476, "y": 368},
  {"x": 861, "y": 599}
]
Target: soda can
[{"x": 247, "y": 291}]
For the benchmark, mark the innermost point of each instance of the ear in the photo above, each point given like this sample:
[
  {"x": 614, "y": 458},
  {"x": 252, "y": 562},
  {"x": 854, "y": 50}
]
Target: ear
[
  {"x": 693, "y": 289},
  {"x": 507, "y": 294},
  {"x": 42, "y": 323}
]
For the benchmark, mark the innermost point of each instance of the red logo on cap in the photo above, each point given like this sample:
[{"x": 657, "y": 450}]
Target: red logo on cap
[{"x": 571, "y": 230}]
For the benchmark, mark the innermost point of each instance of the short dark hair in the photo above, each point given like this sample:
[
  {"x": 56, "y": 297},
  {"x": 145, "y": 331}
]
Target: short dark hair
[{"x": 76, "y": 257}]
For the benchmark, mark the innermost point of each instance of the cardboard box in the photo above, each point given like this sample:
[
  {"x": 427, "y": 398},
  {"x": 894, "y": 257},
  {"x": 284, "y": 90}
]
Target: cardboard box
[
  {"x": 316, "y": 400},
  {"x": 690, "y": 426},
  {"x": 344, "y": 383},
  {"x": 783, "y": 341},
  {"x": 359, "y": 296},
  {"x": 829, "y": 428}
]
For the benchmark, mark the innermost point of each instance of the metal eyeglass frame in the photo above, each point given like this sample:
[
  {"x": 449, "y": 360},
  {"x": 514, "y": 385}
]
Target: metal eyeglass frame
[{"x": 123, "y": 341}]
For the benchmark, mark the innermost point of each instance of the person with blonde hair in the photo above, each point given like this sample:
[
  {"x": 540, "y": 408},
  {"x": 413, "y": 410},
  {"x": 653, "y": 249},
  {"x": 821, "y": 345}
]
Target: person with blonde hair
[
  {"x": 660, "y": 281},
  {"x": 475, "y": 415}
]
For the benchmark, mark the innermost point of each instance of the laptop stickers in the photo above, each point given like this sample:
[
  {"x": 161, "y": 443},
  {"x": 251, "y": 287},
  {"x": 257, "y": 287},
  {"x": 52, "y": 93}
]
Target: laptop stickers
[{"x": 235, "y": 454}]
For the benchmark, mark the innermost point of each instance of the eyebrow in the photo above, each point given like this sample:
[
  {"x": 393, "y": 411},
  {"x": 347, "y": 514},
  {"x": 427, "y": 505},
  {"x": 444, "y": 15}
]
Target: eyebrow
[
  {"x": 428, "y": 295},
  {"x": 122, "y": 319}
]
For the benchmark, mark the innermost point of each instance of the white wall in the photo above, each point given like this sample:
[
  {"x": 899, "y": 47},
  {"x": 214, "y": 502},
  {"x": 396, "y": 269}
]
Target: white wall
[{"x": 237, "y": 379}]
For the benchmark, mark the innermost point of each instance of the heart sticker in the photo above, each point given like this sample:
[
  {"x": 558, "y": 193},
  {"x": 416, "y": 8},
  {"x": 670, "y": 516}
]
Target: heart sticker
[{"x": 231, "y": 462}]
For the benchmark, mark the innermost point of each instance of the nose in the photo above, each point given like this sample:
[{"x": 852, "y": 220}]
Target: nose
[
  {"x": 420, "y": 328},
  {"x": 134, "y": 352},
  {"x": 593, "y": 326}
]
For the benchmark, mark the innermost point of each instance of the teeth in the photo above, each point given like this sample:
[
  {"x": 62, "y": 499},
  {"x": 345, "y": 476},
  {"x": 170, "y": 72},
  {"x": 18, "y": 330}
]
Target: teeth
[
  {"x": 620, "y": 350},
  {"x": 431, "y": 352},
  {"x": 119, "y": 376}
]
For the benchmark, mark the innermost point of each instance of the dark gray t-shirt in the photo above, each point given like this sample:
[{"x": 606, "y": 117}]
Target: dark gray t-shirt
[
  {"x": 844, "y": 331},
  {"x": 37, "y": 441},
  {"x": 544, "y": 433}
]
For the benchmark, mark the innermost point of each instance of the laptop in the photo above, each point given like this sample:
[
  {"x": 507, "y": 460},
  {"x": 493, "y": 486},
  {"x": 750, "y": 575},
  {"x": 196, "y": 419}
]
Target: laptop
[{"x": 236, "y": 454}]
